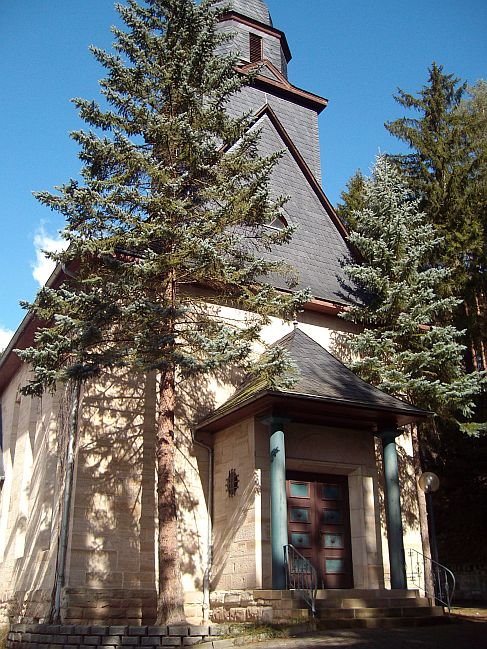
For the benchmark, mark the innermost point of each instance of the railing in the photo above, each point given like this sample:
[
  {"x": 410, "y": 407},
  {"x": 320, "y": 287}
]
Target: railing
[
  {"x": 443, "y": 578},
  {"x": 301, "y": 575}
]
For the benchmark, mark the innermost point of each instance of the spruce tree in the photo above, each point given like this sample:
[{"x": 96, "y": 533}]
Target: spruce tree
[
  {"x": 409, "y": 346},
  {"x": 446, "y": 169},
  {"x": 353, "y": 199},
  {"x": 167, "y": 224},
  {"x": 438, "y": 166}
]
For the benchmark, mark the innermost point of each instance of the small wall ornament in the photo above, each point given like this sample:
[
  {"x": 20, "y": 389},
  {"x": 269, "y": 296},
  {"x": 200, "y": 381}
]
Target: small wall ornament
[{"x": 232, "y": 483}]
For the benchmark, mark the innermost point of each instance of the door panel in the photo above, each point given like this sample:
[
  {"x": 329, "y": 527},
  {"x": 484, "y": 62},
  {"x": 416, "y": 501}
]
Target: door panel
[{"x": 319, "y": 525}]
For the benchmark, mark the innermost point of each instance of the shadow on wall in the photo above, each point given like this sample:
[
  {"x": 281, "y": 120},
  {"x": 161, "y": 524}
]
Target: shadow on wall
[
  {"x": 225, "y": 538},
  {"x": 32, "y": 542},
  {"x": 113, "y": 543},
  {"x": 113, "y": 529},
  {"x": 407, "y": 481},
  {"x": 196, "y": 399},
  {"x": 114, "y": 532}
]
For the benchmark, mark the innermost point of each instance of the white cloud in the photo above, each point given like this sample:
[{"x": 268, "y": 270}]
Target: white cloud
[
  {"x": 5, "y": 336},
  {"x": 43, "y": 267}
]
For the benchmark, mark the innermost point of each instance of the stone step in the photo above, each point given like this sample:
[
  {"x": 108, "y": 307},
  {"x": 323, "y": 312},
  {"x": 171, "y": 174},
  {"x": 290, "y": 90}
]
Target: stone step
[
  {"x": 355, "y": 593},
  {"x": 373, "y": 602},
  {"x": 380, "y": 622},
  {"x": 375, "y": 612}
]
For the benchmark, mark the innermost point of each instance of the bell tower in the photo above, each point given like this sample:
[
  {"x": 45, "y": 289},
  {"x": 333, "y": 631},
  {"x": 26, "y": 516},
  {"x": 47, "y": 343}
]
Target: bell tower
[
  {"x": 258, "y": 43},
  {"x": 287, "y": 118},
  {"x": 255, "y": 38}
]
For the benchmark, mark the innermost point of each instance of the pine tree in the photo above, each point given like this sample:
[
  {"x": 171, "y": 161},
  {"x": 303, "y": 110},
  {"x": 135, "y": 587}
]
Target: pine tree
[
  {"x": 472, "y": 115},
  {"x": 174, "y": 199}
]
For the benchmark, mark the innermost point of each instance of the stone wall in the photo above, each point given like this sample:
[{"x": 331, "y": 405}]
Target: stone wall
[
  {"x": 40, "y": 636},
  {"x": 257, "y": 607},
  {"x": 234, "y": 560},
  {"x": 471, "y": 582},
  {"x": 109, "y": 606}
]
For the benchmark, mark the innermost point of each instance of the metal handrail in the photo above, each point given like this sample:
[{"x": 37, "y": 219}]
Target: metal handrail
[
  {"x": 443, "y": 578},
  {"x": 301, "y": 575}
]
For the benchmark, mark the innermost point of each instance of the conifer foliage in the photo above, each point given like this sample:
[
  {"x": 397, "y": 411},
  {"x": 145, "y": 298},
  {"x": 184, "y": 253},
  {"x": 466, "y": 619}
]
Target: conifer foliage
[
  {"x": 174, "y": 197},
  {"x": 408, "y": 346},
  {"x": 446, "y": 131},
  {"x": 353, "y": 199}
]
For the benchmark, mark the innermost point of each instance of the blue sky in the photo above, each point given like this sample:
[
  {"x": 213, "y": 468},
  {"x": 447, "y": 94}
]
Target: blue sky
[{"x": 353, "y": 52}]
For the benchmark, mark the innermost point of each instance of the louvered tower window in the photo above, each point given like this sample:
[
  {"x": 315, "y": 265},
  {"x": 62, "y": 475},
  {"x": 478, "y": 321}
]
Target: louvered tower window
[{"x": 256, "y": 50}]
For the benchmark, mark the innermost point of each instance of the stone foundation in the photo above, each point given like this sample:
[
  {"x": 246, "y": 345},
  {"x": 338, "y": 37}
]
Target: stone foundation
[
  {"x": 110, "y": 606},
  {"x": 25, "y": 606},
  {"x": 257, "y": 607},
  {"x": 43, "y": 636}
]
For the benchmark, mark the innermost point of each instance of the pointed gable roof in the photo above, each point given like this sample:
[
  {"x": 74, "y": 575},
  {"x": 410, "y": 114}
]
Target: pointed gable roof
[
  {"x": 321, "y": 380},
  {"x": 318, "y": 249}
]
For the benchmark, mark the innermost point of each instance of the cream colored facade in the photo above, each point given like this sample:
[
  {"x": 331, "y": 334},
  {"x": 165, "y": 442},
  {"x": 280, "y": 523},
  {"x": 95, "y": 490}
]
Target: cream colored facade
[
  {"x": 111, "y": 567},
  {"x": 224, "y": 539}
]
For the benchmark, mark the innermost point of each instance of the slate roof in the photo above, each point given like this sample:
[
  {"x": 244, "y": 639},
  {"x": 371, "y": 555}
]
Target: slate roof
[
  {"x": 256, "y": 9},
  {"x": 322, "y": 377},
  {"x": 318, "y": 250}
]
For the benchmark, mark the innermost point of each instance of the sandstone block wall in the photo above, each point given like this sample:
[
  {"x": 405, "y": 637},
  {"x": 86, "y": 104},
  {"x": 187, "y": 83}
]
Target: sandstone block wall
[{"x": 257, "y": 607}]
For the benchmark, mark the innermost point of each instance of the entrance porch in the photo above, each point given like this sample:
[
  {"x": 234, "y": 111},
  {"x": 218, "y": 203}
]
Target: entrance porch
[{"x": 314, "y": 466}]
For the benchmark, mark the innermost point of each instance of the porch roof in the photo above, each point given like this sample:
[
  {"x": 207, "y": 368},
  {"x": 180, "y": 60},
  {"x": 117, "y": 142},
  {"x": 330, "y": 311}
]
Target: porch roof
[{"x": 325, "y": 390}]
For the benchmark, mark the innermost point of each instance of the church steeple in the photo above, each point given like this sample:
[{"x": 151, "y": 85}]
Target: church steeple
[
  {"x": 261, "y": 47},
  {"x": 255, "y": 37},
  {"x": 255, "y": 9}
]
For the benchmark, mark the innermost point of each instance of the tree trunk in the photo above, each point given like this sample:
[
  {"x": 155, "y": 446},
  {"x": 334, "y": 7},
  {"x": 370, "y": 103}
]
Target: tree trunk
[
  {"x": 423, "y": 513},
  {"x": 170, "y": 606}
]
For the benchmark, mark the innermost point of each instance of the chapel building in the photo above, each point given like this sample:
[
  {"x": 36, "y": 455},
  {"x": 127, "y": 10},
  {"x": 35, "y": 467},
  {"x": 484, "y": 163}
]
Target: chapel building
[{"x": 270, "y": 481}]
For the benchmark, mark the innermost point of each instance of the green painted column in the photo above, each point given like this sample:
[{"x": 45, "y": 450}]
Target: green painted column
[
  {"x": 278, "y": 502},
  {"x": 393, "y": 510}
]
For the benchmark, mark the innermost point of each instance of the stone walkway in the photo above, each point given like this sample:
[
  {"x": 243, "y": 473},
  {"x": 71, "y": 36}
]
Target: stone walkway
[{"x": 457, "y": 635}]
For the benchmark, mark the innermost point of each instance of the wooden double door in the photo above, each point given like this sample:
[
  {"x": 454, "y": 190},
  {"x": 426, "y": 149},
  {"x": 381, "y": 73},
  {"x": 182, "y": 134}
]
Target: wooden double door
[{"x": 319, "y": 525}]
